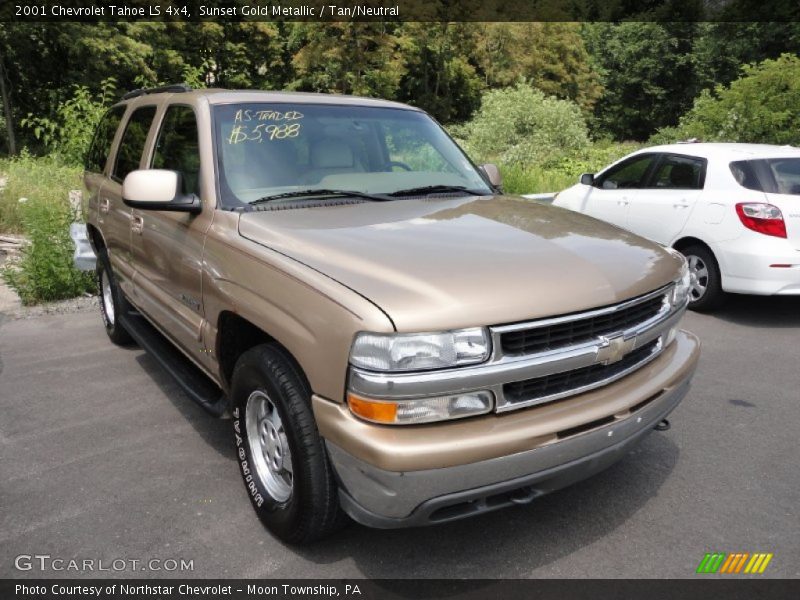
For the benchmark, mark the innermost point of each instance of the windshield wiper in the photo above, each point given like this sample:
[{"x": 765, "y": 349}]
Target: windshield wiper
[
  {"x": 320, "y": 192},
  {"x": 437, "y": 189}
]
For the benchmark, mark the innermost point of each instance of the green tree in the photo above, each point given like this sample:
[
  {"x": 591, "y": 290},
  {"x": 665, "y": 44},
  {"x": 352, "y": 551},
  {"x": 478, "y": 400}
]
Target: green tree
[
  {"x": 647, "y": 73},
  {"x": 762, "y": 106},
  {"x": 44, "y": 62},
  {"x": 438, "y": 74},
  {"x": 346, "y": 58},
  {"x": 220, "y": 54},
  {"x": 721, "y": 49},
  {"x": 550, "y": 56},
  {"x": 67, "y": 136}
]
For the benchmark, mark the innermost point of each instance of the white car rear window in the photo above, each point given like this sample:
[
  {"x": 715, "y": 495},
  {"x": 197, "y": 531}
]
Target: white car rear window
[{"x": 771, "y": 175}]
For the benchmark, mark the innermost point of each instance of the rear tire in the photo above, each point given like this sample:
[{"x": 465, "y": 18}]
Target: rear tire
[
  {"x": 281, "y": 455},
  {"x": 706, "y": 289},
  {"x": 112, "y": 302}
]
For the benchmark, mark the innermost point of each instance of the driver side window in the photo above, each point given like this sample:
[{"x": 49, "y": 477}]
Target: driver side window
[
  {"x": 178, "y": 149},
  {"x": 408, "y": 149},
  {"x": 629, "y": 175}
]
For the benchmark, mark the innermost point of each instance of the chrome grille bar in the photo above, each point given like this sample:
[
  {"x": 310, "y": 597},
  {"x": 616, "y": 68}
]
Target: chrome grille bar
[{"x": 502, "y": 370}]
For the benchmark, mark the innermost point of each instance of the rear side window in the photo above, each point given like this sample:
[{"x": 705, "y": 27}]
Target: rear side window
[
  {"x": 177, "y": 148},
  {"x": 771, "y": 175},
  {"x": 131, "y": 146},
  {"x": 679, "y": 173},
  {"x": 629, "y": 175},
  {"x": 102, "y": 140}
]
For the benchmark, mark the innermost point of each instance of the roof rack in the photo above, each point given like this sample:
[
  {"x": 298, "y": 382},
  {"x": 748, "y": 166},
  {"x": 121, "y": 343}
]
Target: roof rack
[{"x": 174, "y": 88}]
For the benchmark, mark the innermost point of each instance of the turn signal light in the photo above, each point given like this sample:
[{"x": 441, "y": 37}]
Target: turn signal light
[
  {"x": 421, "y": 410},
  {"x": 762, "y": 218},
  {"x": 379, "y": 412}
]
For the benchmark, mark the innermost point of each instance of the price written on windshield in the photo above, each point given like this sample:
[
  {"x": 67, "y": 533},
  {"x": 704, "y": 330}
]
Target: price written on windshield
[{"x": 270, "y": 125}]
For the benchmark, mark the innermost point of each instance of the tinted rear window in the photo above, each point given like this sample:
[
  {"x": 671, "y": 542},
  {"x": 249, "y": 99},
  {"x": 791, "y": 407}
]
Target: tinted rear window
[
  {"x": 103, "y": 137},
  {"x": 771, "y": 175}
]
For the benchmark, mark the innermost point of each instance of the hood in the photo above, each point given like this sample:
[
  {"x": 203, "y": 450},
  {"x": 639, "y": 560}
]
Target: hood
[{"x": 434, "y": 264}]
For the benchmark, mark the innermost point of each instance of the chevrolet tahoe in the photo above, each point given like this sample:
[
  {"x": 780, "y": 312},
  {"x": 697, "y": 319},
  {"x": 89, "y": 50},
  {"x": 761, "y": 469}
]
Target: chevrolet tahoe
[{"x": 392, "y": 337}]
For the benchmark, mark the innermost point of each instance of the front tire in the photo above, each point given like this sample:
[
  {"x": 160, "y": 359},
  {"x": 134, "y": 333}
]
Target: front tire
[
  {"x": 112, "y": 302},
  {"x": 706, "y": 282},
  {"x": 281, "y": 456}
]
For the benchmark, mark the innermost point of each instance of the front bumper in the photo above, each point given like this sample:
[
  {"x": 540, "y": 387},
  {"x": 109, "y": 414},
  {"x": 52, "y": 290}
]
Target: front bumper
[{"x": 400, "y": 477}]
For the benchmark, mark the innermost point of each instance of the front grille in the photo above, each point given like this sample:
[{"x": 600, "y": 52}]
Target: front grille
[
  {"x": 570, "y": 333},
  {"x": 571, "y": 381}
]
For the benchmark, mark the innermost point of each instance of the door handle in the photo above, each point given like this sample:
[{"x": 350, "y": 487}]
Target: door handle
[
  {"x": 137, "y": 225},
  {"x": 105, "y": 205},
  {"x": 679, "y": 205},
  {"x": 623, "y": 202}
]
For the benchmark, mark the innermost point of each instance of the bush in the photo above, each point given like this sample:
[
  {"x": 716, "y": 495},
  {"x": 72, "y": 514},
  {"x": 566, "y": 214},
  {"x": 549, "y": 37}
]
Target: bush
[
  {"x": 45, "y": 271},
  {"x": 522, "y": 125},
  {"x": 533, "y": 179},
  {"x": 564, "y": 171},
  {"x": 762, "y": 106},
  {"x": 67, "y": 137},
  {"x": 39, "y": 180}
]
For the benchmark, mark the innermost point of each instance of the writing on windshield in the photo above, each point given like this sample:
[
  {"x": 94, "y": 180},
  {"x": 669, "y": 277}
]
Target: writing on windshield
[{"x": 264, "y": 125}]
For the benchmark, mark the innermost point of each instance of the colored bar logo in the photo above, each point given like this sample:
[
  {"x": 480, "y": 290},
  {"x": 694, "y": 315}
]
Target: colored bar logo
[{"x": 734, "y": 563}]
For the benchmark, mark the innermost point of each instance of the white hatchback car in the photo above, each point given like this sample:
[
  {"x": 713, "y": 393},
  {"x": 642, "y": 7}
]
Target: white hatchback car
[{"x": 732, "y": 209}]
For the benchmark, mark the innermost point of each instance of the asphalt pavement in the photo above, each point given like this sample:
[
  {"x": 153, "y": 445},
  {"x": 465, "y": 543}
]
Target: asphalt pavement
[{"x": 102, "y": 458}]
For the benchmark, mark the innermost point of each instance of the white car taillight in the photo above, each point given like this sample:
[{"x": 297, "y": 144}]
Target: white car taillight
[{"x": 761, "y": 217}]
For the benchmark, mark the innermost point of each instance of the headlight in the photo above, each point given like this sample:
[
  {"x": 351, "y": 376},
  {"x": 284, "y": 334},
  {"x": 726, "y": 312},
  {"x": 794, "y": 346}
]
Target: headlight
[
  {"x": 420, "y": 351},
  {"x": 683, "y": 285}
]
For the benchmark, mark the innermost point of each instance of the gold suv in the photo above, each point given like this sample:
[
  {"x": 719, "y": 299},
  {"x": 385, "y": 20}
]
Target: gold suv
[{"x": 393, "y": 337}]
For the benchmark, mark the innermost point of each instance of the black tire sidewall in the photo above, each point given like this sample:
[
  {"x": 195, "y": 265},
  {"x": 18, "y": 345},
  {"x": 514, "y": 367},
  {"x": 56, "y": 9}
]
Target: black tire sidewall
[
  {"x": 278, "y": 514},
  {"x": 267, "y": 369}
]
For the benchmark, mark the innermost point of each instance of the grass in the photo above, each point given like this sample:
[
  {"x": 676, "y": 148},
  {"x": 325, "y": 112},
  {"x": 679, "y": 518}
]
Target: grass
[
  {"x": 39, "y": 180},
  {"x": 563, "y": 171},
  {"x": 43, "y": 271},
  {"x": 521, "y": 179}
]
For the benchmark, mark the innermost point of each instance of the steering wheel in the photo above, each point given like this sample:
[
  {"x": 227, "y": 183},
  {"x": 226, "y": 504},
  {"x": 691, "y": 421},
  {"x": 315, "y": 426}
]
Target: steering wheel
[{"x": 402, "y": 165}]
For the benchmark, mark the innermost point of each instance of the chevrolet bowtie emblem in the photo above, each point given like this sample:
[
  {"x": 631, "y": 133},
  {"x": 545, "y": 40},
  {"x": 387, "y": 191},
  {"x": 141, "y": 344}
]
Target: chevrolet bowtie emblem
[{"x": 613, "y": 349}]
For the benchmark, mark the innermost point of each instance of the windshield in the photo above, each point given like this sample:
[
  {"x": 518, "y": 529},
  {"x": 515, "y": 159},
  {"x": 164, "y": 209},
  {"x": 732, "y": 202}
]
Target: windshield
[
  {"x": 276, "y": 148},
  {"x": 771, "y": 175}
]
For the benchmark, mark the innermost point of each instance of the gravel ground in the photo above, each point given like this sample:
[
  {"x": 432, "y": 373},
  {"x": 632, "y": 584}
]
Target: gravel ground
[{"x": 81, "y": 304}]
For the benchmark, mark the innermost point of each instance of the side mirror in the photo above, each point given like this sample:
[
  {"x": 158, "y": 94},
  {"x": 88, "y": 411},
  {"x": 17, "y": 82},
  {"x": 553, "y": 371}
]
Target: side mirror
[
  {"x": 493, "y": 174},
  {"x": 587, "y": 179},
  {"x": 158, "y": 189}
]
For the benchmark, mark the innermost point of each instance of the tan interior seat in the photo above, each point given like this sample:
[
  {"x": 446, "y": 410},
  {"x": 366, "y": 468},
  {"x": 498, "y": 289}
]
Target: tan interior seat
[{"x": 331, "y": 156}]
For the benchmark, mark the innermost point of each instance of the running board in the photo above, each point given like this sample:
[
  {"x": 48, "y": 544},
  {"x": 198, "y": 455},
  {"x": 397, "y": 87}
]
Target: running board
[{"x": 187, "y": 375}]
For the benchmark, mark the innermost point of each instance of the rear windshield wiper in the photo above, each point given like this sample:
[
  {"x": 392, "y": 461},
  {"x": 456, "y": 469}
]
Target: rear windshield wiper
[
  {"x": 437, "y": 189},
  {"x": 320, "y": 192}
]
